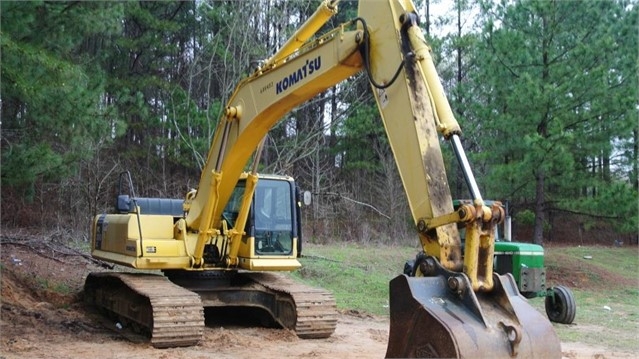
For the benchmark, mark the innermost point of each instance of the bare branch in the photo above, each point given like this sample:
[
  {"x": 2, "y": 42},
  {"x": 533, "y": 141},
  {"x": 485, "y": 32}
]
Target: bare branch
[{"x": 357, "y": 202}]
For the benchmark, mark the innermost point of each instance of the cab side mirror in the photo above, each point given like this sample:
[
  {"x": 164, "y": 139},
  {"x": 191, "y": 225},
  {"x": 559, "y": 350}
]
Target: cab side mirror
[{"x": 307, "y": 198}]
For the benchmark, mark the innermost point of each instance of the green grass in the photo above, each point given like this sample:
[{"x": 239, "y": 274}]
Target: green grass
[
  {"x": 56, "y": 287},
  {"x": 622, "y": 261},
  {"x": 358, "y": 275},
  {"x": 80, "y": 245},
  {"x": 608, "y": 278}
]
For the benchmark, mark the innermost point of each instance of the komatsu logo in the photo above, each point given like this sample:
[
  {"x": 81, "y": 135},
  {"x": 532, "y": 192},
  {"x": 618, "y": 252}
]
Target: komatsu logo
[{"x": 298, "y": 75}]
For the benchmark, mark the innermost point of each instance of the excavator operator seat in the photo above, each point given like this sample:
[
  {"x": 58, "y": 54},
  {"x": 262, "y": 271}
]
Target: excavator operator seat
[{"x": 148, "y": 205}]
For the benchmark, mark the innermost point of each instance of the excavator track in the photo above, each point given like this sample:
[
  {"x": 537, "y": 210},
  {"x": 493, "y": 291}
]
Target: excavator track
[
  {"x": 173, "y": 316},
  {"x": 316, "y": 310},
  {"x": 310, "y": 312},
  {"x": 172, "y": 311}
]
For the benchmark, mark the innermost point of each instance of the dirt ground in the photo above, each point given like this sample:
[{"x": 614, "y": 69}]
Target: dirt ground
[{"x": 42, "y": 317}]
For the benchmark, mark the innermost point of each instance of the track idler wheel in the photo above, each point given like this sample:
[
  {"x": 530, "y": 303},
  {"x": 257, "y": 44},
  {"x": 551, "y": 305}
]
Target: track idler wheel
[{"x": 560, "y": 305}]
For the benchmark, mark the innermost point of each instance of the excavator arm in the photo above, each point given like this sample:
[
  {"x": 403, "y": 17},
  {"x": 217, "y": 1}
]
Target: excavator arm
[
  {"x": 459, "y": 307},
  {"x": 415, "y": 112}
]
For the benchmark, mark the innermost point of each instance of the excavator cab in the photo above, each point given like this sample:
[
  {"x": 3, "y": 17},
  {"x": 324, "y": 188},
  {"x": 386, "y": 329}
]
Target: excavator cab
[
  {"x": 272, "y": 226},
  {"x": 267, "y": 239}
]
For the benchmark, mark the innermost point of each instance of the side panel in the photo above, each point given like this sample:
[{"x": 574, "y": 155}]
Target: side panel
[
  {"x": 116, "y": 238},
  {"x": 526, "y": 263}
]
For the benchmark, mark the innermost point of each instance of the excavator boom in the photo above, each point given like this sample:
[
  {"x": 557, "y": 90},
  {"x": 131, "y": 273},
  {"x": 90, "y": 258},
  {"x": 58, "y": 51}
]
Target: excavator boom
[{"x": 445, "y": 311}]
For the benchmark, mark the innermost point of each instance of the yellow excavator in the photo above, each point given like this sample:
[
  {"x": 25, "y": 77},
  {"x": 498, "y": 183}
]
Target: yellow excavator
[{"x": 223, "y": 245}]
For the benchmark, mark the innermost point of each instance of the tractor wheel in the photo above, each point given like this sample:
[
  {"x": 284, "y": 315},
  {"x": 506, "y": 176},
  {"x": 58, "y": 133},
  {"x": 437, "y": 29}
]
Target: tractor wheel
[{"x": 560, "y": 305}]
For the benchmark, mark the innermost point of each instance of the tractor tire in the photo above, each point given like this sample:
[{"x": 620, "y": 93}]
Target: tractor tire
[{"x": 561, "y": 306}]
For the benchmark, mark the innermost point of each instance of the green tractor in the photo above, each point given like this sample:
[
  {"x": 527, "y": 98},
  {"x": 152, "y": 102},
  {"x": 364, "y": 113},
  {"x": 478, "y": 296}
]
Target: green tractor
[{"x": 525, "y": 261}]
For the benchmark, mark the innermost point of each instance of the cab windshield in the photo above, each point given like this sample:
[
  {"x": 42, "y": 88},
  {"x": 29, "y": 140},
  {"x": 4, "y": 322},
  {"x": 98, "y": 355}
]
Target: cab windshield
[
  {"x": 273, "y": 220},
  {"x": 271, "y": 216}
]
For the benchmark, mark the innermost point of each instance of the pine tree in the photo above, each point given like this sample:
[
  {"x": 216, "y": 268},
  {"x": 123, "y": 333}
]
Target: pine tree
[
  {"x": 554, "y": 88},
  {"x": 52, "y": 87}
]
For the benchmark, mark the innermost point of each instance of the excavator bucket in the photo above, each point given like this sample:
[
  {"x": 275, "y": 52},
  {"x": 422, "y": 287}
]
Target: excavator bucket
[{"x": 441, "y": 317}]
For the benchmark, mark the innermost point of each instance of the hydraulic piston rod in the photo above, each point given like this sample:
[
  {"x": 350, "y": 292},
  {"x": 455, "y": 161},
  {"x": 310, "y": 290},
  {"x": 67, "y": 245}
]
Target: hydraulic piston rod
[
  {"x": 463, "y": 162},
  {"x": 324, "y": 12}
]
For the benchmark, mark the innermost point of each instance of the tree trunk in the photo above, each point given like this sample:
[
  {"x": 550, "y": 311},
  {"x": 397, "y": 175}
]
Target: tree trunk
[
  {"x": 538, "y": 233},
  {"x": 427, "y": 17},
  {"x": 635, "y": 165},
  {"x": 542, "y": 130}
]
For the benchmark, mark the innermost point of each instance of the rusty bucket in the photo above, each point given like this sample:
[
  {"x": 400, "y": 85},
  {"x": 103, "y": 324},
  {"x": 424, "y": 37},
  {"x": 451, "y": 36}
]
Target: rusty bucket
[{"x": 441, "y": 317}]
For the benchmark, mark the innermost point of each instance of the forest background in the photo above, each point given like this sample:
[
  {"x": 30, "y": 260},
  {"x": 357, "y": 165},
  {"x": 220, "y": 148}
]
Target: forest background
[{"x": 545, "y": 92}]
